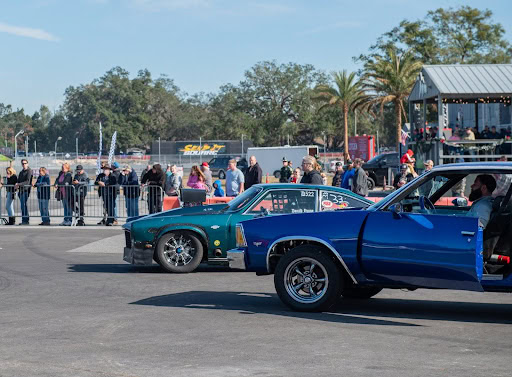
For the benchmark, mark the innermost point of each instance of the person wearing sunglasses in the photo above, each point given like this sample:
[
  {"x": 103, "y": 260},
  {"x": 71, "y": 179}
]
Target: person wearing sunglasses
[{"x": 23, "y": 186}]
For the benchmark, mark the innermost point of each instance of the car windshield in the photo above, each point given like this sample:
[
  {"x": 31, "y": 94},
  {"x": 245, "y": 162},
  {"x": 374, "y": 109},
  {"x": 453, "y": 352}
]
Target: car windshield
[
  {"x": 244, "y": 198},
  {"x": 375, "y": 159}
]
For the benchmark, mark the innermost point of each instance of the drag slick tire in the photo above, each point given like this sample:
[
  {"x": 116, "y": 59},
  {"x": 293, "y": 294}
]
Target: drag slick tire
[
  {"x": 356, "y": 292},
  {"x": 179, "y": 251},
  {"x": 308, "y": 280}
]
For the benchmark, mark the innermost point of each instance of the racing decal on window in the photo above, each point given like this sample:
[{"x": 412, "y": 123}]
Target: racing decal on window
[
  {"x": 332, "y": 201},
  {"x": 307, "y": 193}
]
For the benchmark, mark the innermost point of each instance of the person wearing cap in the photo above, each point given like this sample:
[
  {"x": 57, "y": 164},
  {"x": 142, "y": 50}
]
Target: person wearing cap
[
  {"x": 208, "y": 179},
  {"x": 253, "y": 174},
  {"x": 403, "y": 177},
  {"x": 108, "y": 188},
  {"x": 338, "y": 175},
  {"x": 346, "y": 183},
  {"x": 80, "y": 183},
  {"x": 286, "y": 172}
]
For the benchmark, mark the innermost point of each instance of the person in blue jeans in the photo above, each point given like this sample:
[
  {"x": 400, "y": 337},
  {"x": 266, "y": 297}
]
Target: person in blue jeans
[
  {"x": 131, "y": 190},
  {"x": 43, "y": 195},
  {"x": 11, "y": 180},
  {"x": 24, "y": 186},
  {"x": 65, "y": 193}
]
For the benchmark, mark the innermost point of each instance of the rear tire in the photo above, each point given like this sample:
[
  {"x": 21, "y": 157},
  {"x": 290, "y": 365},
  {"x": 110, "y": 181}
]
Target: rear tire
[
  {"x": 277, "y": 174},
  {"x": 308, "y": 280},
  {"x": 371, "y": 183},
  {"x": 355, "y": 292},
  {"x": 179, "y": 252}
]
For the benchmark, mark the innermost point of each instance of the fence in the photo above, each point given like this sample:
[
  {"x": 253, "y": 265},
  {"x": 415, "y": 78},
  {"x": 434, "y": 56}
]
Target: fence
[{"x": 73, "y": 204}]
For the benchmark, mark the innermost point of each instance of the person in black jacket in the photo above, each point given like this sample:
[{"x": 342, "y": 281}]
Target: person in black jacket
[
  {"x": 43, "y": 195},
  {"x": 155, "y": 180},
  {"x": 23, "y": 186},
  {"x": 98, "y": 178},
  {"x": 65, "y": 193},
  {"x": 108, "y": 191},
  {"x": 338, "y": 176},
  {"x": 11, "y": 181},
  {"x": 131, "y": 190},
  {"x": 311, "y": 174},
  {"x": 80, "y": 183},
  {"x": 253, "y": 173}
]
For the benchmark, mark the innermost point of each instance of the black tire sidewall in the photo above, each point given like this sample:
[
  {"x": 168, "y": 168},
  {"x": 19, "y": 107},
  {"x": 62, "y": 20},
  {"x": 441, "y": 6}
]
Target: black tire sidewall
[
  {"x": 334, "y": 275},
  {"x": 371, "y": 183},
  {"x": 180, "y": 269},
  {"x": 222, "y": 175}
]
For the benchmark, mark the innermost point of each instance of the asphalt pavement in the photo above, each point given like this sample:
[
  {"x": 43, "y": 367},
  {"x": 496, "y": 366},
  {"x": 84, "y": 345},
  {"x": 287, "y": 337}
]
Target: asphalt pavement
[{"x": 71, "y": 307}]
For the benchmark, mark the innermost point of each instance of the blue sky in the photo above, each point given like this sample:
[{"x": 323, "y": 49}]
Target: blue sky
[{"x": 49, "y": 45}]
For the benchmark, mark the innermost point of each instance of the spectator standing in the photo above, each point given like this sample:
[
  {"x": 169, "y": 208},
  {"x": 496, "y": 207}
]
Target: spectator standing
[
  {"x": 208, "y": 179},
  {"x": 338, "y": 175},
  {"x": 100, "y": 191},
  {"x": 295, "y": 178},
  {"x": 131, "y": 190},
  {"x": 253, "y": 174},
  {"x": 493, "y": 134},
  {"x": 64, "y": 193},
  {"x": 43, "y": 195},
  {"x": 485, "y": 133},
  {"x": 469, "y": 136},
  {"x": 116, "y": 172},
  {"x": 285, "y": 172},
  {"x": 155, "y": 180},
  {"x": 360, "y": 180},
  {"x": 108, "y": 187},
  {"x": 219, "y": 192},
  {"x": 24, "y": 186},
  {"x": 348, "y": 176},
  {"x": 11, "y": 181},
  {"x": 234, "y": 180},
  {"x": 81, "y": 185},
  {"x": 403, "y": 177},
  {"x": 196, "y": 179},
  {"x": 311, "y": 174},
  {"x": 408, "y": 159},
  {"x": 173, "y": 182}
]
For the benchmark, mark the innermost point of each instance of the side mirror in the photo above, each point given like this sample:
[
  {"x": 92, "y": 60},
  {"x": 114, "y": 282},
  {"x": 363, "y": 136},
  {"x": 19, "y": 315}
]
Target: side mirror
[{"x": 396, "y": 209}]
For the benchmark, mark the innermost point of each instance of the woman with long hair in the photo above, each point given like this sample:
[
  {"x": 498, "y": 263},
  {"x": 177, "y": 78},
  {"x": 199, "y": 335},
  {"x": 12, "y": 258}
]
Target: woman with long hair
[
  {"x": 64, "y": 193},
  {"x": 196, "y": 180},
  {"x": 12, "y": 179},
  {"x": 43, "y": 195}
]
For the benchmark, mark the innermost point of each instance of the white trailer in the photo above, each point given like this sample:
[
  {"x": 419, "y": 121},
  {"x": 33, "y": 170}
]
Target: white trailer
[{"x": 270, "y": 159}]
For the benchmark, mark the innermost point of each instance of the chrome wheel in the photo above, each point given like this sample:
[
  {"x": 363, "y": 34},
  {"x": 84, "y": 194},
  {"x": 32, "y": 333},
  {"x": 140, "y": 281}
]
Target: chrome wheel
[
  {"x": 179, "y": 251},
  {"x": 306, "y": 280}
]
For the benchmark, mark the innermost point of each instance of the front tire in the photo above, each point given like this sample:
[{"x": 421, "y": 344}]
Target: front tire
[
  {"x": 180, "y": 252},
  {"x": 308, "y": 280}
]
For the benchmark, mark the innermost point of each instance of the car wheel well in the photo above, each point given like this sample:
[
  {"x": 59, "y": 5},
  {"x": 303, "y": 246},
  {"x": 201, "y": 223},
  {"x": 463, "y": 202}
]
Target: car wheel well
[
  {"x": 204, "y": 243},
  {"x": 281, "y": 248}
]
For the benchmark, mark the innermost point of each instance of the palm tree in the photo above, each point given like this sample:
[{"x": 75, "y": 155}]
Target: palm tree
[
  {"x": 390, "y": 79},
  {"x": 348, "y": 94}
]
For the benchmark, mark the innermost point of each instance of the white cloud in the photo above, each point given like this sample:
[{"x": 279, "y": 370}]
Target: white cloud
[
  {"x": 157, "y": 5},
  {"x": 331, "y": 27},
  {"x": 27, "y": 32}
]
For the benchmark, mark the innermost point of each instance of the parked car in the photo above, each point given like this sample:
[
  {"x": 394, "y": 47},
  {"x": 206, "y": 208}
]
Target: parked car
[
  {"x": 219, "y": 166},
  {"x": 377, "y": 168},
  {"x": 406, "y": 241},
  {"x": 180, "y": 239}
]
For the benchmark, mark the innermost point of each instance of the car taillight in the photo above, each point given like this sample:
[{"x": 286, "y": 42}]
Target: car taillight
[{"x": 240, "y": 237}]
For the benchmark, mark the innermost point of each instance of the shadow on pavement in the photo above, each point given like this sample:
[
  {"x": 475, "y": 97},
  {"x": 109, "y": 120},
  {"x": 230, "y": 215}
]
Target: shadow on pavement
[
  {"x": 252, "y": 303},
  {"x": 128, "y": 268},
  {"x": 346, "y": 311}
]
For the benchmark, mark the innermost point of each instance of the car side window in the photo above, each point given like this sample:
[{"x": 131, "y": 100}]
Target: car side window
[
  {"x": 285, "y": 201},
  {"x": 334, "y": 201}
]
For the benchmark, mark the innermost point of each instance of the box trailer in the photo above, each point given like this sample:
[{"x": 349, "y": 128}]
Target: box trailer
[{"x": 270, "y": 159}]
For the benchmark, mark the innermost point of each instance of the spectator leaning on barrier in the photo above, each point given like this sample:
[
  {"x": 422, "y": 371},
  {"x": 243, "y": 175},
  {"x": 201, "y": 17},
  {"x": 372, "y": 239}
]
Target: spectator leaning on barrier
[
  {"x": 64, "y": 193},
  {"x": 348, "y": 176},
  {"x": 253, "y": 174},
  {"x": 108, "y": 187},
  {"x": 81, "y": 184},
  {"x": 208, "y": 179},
  {"x": 155, "y": 180},
  {"x": 131, "y": 190},
  {"x": 338, "y": 175},
  {"x": 360, "y": 180},
  {"x": 311, "y": 175},
  {"x": 10, "y": 190},
  {"x": 43, "y": 195},
  {"x": 234, "y": 179},
  {"x": 24, "y": 186}
]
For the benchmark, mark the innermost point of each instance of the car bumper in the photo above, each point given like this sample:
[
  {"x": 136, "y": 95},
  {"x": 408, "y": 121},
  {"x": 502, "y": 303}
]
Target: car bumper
[
  {"x": 236, "y": 259},
  {"x": 139, "y": 257}
]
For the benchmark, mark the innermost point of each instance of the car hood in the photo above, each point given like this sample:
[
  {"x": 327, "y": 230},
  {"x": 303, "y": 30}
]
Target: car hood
[{"x": 204, "y": 210}]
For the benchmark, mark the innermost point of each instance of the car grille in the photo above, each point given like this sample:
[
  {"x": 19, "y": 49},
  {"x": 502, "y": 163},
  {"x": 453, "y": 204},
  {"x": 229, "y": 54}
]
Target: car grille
[{"x": 128, "y": 238}]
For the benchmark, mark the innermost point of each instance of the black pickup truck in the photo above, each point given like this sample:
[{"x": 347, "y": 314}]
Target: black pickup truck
[{"x": 377, "y": 168}]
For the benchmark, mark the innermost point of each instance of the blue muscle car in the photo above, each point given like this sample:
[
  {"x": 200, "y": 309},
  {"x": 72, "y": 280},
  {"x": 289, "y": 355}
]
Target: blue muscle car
[{"x": 408, "y": 240}]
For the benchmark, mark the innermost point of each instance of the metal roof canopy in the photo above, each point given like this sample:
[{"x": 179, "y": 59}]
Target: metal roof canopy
[{"x": 462, "y": 81}]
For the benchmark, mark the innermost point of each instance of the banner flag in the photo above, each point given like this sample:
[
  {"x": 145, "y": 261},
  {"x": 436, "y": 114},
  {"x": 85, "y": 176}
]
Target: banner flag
[
  {"x": 112, "y": 148},
  {"x": 98, "y": 163}
]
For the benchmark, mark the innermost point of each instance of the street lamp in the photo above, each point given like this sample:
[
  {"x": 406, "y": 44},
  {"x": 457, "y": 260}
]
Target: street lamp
[
  {"x": 16, "y": 144},
  {"x": 59, "y": 138}
]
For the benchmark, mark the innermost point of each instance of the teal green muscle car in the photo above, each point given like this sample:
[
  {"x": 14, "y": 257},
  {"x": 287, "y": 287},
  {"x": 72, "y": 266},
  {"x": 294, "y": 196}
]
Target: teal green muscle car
[{"x": 180, "y": 239}]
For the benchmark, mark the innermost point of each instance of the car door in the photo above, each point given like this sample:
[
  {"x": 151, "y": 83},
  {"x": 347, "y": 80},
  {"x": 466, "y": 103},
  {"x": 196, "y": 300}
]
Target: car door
[{"x": 424, "y": 250}]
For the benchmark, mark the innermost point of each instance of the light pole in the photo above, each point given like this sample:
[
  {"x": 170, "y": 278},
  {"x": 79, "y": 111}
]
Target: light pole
[
  {"x": 16, "y": 145},
  {"x": 56, "y": 141}
]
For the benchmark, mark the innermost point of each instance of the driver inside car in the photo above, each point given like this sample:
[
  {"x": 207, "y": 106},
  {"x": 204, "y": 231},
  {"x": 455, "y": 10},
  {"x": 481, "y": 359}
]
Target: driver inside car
[{"x": 481, "y": 196}]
